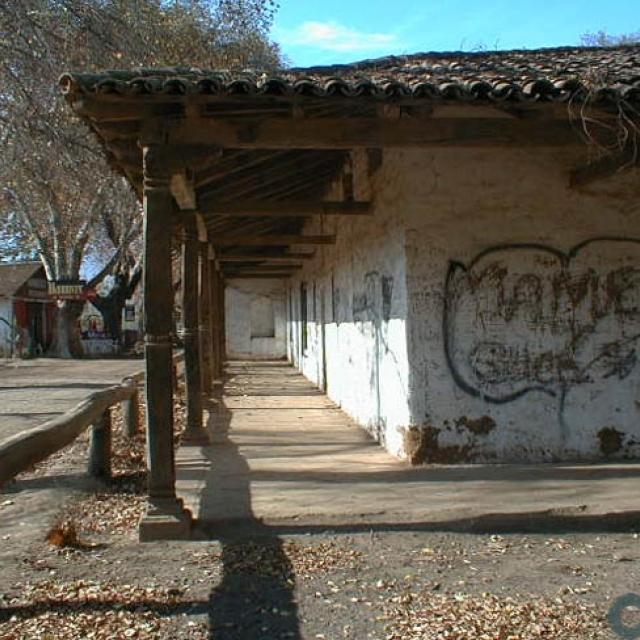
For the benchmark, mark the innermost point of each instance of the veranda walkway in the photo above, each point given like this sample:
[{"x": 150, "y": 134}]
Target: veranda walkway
[{"x": 283, "y": 454}]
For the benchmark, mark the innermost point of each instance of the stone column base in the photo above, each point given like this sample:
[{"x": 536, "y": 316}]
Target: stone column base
[{"x": 165, "y": 520}]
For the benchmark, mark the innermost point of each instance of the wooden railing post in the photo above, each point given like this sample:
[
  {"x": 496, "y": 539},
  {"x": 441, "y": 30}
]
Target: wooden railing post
[
  {"x": 100, "y": 448},
  {"x": 130, "y": 410}
]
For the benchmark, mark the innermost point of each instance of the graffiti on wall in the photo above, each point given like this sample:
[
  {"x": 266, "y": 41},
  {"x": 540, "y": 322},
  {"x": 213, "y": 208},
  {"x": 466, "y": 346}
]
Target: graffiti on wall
[
  {"x": 372, "y": 302},
  {"x": 528, "y": 317}
]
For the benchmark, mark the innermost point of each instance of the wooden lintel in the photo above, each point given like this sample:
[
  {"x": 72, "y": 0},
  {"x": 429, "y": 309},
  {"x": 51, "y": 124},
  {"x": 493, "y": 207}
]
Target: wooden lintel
[
  {"x": 242, "y": 276},
  {"x": 601, "y": 168},
  {"x": 237, "y": 268},
  {"x": 183, "y": 191},
  {"x": 123, "y": 111},
  {"x": 347, "y": 133},
  {"x": 275, "y": 208},
  {"x": 268, "y": 240},
  {"x": 288, "y": 259}
]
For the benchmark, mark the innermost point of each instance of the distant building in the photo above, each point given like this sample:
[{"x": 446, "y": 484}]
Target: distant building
[
  {"x": 96, "y": 340},
  {"x": 26, "y": 311}
]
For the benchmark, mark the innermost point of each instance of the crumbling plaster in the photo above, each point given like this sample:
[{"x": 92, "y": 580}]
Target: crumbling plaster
[{"x": 513, "y": 310}]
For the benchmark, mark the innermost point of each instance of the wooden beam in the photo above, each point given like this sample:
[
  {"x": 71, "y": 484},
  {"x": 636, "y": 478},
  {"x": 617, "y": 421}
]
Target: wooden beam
[
  {"x": 602, "y": 168},
  {"x": 293, "y": 258},
  {"x": 261, "y": 267},
  {"x": 183, "y": 191},
  {"x": 257, "y": 275},
  {"x": 276, "y": 209},
  {"x": 269, "y": 240},
  {"x": 347, "y": 133}
]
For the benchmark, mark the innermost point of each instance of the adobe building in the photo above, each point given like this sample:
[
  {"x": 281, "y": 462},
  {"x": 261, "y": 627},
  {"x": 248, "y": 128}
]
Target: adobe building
[
  {"x": 26, "y": 310},
  {"x": 450, "y": 238}
]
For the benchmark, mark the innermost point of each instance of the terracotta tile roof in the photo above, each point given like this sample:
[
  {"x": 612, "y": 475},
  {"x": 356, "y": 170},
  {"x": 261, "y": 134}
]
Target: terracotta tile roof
[
  {"x": 13, "y": 275},
  {"x": 609, "y": 74}
]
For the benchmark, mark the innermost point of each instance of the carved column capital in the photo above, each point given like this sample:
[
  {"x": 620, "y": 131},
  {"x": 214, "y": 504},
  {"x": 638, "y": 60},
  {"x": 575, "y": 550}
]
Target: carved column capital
[{"x": 157, "y": 167}]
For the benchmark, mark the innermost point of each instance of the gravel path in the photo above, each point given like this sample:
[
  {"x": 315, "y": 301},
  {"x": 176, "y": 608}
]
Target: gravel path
[
  {"x": 261, "y": 583},
  {"x": 34, "y": 391}
]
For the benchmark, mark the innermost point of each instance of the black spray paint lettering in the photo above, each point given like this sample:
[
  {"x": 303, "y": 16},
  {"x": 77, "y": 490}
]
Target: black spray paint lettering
[
  {"x": 373, "y": 301},
  {"x": 528, "y": 317}
]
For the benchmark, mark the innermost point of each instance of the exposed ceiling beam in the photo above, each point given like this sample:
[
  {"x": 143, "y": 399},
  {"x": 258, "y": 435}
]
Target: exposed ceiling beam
[
  {"x": 268, "y": 240},
  {"x": 183, "y": 191},
  {"x": 602, "y": 168},
  {"x": 274, "y": 208},
  {"x": 281, "y": 172},
  {"x": 288, "y": 259},
  {"x": 346, "y": 133},
  {"x": 237, "y": 268},
  {"x": 242, "y": 276}
]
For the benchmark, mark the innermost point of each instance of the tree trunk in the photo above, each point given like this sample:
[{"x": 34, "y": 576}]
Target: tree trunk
[
  {"x": 66, "y": 336},
  {"x": 112, "y": 305}
]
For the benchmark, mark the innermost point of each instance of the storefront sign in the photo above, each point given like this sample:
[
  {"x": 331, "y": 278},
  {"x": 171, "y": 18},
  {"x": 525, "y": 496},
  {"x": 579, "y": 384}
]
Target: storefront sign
[{"x": 70, "y": 290}]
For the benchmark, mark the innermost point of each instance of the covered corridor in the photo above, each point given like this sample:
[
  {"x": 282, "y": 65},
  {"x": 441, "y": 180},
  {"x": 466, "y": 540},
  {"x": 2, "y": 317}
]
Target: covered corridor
[
  {"x": 428, "y": 221},
  {"x": 282, "y": 454}
]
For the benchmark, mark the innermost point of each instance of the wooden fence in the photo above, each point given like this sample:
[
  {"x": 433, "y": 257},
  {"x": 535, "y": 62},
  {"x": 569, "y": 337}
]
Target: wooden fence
[{"x": 25, "y": 449}]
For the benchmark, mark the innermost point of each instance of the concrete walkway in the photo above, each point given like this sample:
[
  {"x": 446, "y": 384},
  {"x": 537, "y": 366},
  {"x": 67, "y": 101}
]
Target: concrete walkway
[
  {"x": 282, "y": 453},
  {"x": 34, "y": 391}
]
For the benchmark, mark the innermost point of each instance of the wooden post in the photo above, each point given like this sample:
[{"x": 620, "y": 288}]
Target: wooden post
[
  {"x": 130, "y": 411},
  {"x": 219, "y": 335},
  {"x": 165, "y": 516},
  {"x": 100, "y": 447},
  {"x": 194, "y": 432},
  {"x": 214, "y": 314},
  {"x": 223, "y": 324},
  {"x": 205, "y": 318}
]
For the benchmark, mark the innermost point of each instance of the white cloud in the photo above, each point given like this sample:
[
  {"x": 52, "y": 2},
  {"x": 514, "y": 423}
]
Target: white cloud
[{"x": 332, "y": 36}]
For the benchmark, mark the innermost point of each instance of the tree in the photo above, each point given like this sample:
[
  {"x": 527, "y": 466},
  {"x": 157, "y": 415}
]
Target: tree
[
  {"x": 59, "y": 195},
  {"x": 604, "y": 39}
]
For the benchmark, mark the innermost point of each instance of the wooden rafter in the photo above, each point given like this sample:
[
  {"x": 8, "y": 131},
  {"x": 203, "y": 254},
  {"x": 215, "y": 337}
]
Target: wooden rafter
[
  {"x": 265, "y": 258},
  {"x": 275, "y": 208},
  {"x": 268, "y": 240},
  {"x": 239, "y": 268}
]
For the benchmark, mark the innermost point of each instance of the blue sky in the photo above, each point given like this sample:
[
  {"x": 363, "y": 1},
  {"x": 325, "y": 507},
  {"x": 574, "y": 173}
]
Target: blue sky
[{"x": 332, "y": 31}]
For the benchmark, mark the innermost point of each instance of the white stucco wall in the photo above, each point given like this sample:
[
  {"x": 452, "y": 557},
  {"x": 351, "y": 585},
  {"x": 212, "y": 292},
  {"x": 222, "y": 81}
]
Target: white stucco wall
[
  {"x": 524, "y": 307},
  {"x": 356, "y": 327},
  {"x": 247, "y": 302},
  {"x": 487, "y": 312}
]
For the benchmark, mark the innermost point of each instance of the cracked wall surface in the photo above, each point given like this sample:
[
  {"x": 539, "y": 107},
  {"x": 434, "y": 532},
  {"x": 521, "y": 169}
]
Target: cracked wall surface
[{"x": 485, "y": 312}]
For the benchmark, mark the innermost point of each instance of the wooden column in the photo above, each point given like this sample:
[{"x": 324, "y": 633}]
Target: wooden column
[
  {"x": 194, "y": 432},
  {"x": 205, "y": 318},
  {"x": 223, "y": 324},
  {"x": 213, "y": 296},
  {"x": 219, "y": 320},
  {"x": 165, "y": 516}
]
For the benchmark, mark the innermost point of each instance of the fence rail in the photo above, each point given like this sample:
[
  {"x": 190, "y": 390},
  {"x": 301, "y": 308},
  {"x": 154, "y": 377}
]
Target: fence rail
[{"x": 31, "y": 446}]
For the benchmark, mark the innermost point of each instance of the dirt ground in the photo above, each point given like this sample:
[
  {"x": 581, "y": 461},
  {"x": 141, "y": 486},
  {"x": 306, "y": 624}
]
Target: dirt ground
[{"x": 260, "y": 581}]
